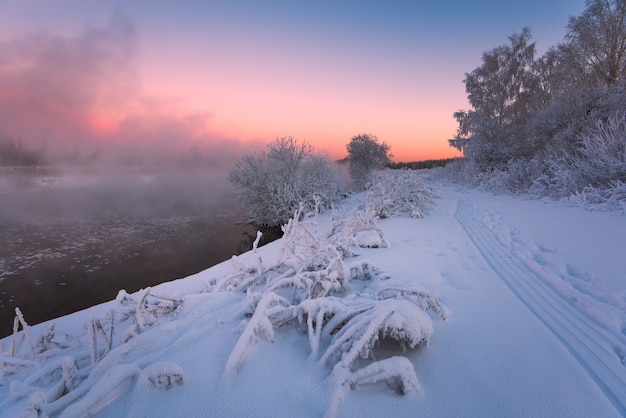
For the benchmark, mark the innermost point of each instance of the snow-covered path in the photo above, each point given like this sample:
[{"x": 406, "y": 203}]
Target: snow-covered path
[
  {"x": 537, "y": 328},
  {"x": 601, "y": 353}
]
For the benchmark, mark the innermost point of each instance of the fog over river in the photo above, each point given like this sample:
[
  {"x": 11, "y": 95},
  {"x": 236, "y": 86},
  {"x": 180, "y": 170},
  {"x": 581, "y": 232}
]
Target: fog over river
[{"x": 72, "y": 238}]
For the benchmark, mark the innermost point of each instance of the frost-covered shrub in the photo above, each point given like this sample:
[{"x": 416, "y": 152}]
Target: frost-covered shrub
[
  {"x": 365, "y": 155},
  {"x": 162, "y": 375},
  {"x": 518, "y": 177},
  {"x": 399, "y": 192},
  {"x": 102, "y": 392},
  {"x": 562, "y": 180},
  {"x": 593, "y": 174},
  {"x": 311, "y": 287},
  {"x": 612, "y": 197},
  {"x": 590, "y": 172},
  {"x": 361, "y": 230},
  {"x": 522, "y": 173},
  {"x": 348, "y": 330},
  {"x": 309, "y": 266},
  {"x": 602, "y": 156},
  {"x": 397, "y": 319},
  {"x": 460, "y": 171},
  {"x": 259, "y": 326},
  {"x": 64, "y": 374},
  {"x": 556, "y": 128},
  {"x": 291, "y": 175},
  {"x": 397, "y": 372},
  {"x": 144, "y": 311},
  {"x": 53, "y": 339}
]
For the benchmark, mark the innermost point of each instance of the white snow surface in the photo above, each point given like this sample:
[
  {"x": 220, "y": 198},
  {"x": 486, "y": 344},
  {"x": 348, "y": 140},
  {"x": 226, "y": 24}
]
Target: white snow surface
[{"x": 536, "y": 291}]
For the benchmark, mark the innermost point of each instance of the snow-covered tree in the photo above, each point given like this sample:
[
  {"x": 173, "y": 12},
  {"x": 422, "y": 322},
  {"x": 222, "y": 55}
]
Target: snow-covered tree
[
  {"x": 366, "y": 154},
  {"x": 598, "y": 38},
  {"x": 501, "y": 92},
  {"x": 291, "y": 174}
]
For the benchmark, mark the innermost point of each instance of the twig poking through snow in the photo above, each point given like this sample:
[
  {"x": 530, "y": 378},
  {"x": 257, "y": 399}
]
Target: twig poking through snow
[{"x": 255, "y": 244}]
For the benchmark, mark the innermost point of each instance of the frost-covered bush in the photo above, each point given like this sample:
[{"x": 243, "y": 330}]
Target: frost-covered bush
[
  {"x": 602, "y": 156},
  {"x": 312, "y": 287},
  {"x": 63, "y": 374},
  {"x": 556, "y": 128},
  {"x": 612, "y": 197},
  {"x": 289, "y": 176},
  {"x": 145, "y": 311},
  {"x": 522, "y": 173},
  {"x": 365, "y": 155},
  {"x": 589, "y": 172},
  {"x": 162, "y": 375},
  {"x": 593, "y": 173},
  {"x": 399, "y": 192},
  {"x": 517, "y": 177},
  {"x": 360, "y": 230},
  {"x": 461, "y": 171}
]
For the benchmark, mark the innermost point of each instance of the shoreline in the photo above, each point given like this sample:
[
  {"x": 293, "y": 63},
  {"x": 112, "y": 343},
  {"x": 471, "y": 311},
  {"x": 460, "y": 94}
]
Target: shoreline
[{"x": 52, "y": 271}]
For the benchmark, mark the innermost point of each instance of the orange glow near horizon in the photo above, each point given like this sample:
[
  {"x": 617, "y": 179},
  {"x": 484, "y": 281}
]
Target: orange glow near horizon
[
  {"x": 102, "y": 125},
  {"x": 253, "y": 101},
  {"x": 410, "y": 138},
  {"x": 416, "y": 124}
]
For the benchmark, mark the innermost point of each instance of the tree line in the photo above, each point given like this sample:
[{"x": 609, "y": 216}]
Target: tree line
[
  {"x": 420, "y": 165},
  {"x": 17, "y": 154}
]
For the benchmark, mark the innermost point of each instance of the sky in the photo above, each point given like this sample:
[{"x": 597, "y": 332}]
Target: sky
[{"x": 223, "y": 78}]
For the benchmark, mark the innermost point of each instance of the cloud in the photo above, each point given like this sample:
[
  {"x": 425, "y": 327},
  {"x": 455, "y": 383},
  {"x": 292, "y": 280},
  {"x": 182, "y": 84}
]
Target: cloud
[{"x": 82, "y": 95}]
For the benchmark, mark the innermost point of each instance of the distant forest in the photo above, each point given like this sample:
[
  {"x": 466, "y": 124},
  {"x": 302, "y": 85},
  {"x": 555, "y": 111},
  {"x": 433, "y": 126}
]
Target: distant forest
[
  {"x": 420, "y": 165},
  {"x": 412, "y": 165},
  {"x": 16, "y": 154}
]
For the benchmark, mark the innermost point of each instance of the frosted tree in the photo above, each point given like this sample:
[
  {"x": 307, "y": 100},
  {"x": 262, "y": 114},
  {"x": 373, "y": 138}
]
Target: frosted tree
[
  {"x": 366, "y": 154},
  {"x": 598, "y": 39},
  {"x": 291, "y": 174},
  {"x": 501, "y": 92}
]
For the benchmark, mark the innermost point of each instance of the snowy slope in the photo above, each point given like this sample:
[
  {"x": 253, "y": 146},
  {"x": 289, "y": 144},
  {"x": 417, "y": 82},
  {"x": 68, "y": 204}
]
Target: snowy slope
[{"x": 537, "y": 295}]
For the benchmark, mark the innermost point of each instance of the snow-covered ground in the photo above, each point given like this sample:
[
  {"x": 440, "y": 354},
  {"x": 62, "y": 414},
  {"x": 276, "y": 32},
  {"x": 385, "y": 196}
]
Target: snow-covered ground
[{"x": 521, "y": 311}]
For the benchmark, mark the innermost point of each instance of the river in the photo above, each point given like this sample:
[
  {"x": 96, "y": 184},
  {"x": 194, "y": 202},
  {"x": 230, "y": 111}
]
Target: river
[{"x": 69, "y": 242}]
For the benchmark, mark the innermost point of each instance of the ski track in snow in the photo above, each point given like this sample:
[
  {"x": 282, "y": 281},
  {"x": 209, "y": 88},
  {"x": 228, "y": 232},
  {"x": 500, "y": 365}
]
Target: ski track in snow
[{"x": 596, "y": 349}]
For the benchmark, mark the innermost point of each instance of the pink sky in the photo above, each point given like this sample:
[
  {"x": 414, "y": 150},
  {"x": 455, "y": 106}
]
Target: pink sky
[{"x": 151, "y": 75}]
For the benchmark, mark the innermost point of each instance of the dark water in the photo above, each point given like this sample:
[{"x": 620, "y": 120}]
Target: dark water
[{"x": 65, "y": 249}]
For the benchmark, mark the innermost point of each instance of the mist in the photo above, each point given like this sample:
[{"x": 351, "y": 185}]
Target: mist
[
  {"x": 80, "y": 100},
  {"x": 74, "y": 238},
  {"x": 121, "y": 189}
]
